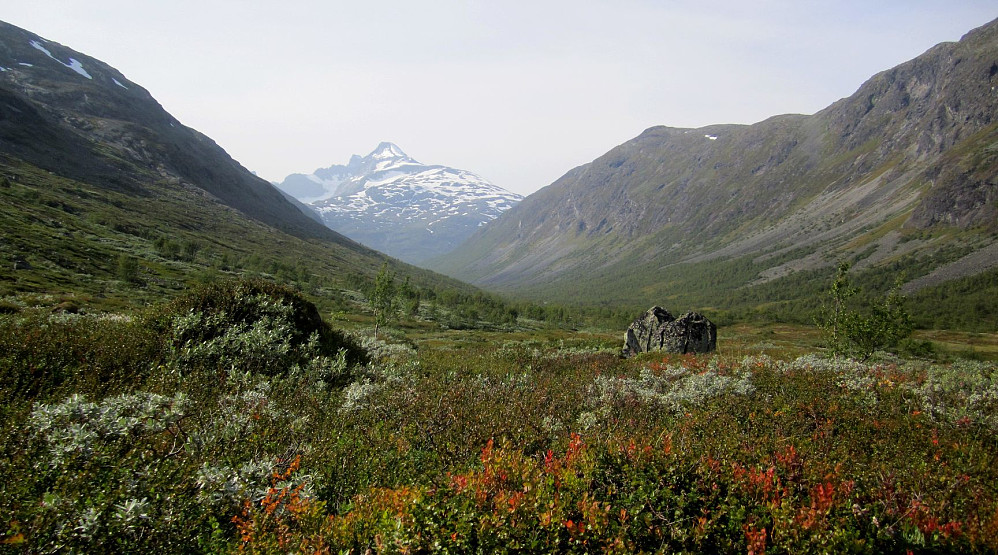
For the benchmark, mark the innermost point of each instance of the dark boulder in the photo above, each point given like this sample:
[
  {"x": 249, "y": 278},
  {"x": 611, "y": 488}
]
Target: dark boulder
[
  {"x": 643, "y": 334},
  {"x": 690, "y": 333},
  {"x": 657, "y": 330}
]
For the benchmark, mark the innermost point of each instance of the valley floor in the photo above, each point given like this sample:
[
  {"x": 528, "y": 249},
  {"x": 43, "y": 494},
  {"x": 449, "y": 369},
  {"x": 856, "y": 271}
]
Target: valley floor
[{"x": 227, "y": 420}]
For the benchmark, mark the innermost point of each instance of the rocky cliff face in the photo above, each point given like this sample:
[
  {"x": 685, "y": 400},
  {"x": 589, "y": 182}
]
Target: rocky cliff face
[
  {"x": 910, "y": 154},
  {"x": 392, "y": 203}
]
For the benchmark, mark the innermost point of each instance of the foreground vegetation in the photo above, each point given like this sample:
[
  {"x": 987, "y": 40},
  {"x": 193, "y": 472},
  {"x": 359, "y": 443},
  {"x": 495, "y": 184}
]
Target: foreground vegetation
[{"x": 235, "y": 419}]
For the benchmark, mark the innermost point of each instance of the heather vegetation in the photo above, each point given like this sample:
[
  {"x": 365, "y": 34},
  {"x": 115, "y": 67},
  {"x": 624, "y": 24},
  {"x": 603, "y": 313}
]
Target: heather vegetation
[{"x": 235, "y": 418}]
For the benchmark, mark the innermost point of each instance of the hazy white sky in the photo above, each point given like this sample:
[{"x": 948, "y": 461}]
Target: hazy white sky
[{"x": 517, "y": 91}]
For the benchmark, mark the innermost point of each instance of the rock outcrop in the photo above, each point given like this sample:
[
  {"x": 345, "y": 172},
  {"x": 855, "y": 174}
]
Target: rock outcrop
[
  {"x": 643, "y": 333},
  {"x": 658, "y": 330}
]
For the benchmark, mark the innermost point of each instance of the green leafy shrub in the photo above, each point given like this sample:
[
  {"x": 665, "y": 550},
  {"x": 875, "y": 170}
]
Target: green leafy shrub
[
  {"x": 858, "y": 330},
  {"x": 167, "y": 248},
  {"x": 383, "y": 295},
  {"x": 263, "y": 326},
  {"x": 127, "y": 268}
]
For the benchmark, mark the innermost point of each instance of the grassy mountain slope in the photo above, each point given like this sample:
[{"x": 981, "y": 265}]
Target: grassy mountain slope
[
  {"x": 106, "y": 196},
  {"x": 900, "y": 175},
  {"x": 93, "y": 124},
  {"x": 63, "y": 235}
]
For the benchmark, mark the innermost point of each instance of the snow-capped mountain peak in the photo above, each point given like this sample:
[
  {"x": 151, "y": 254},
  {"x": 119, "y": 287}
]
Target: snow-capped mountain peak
[
  {"x": 386, "y": 151},
  {"x": 390, "y": 202}
]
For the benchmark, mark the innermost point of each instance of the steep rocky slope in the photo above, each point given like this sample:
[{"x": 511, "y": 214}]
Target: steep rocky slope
[
  {"x": 78, "y": 117},
  {"x": 903, "y": 170}
]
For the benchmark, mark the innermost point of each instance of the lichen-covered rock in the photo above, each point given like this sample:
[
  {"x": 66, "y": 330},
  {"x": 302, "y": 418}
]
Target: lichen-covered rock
[
  {"x": 658, "y": 330},
  {"x": 690, "y": 333},
  {"x": 642, "y": 334}
]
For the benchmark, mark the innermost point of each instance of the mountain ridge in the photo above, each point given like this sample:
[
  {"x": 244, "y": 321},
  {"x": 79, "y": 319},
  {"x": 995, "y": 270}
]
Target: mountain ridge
[
  {"x": 908, "y": 153},
  {"x": 398, "y": 205},
  {"x": 96, "y": 176},
  {"x": 74, "y": 101}
]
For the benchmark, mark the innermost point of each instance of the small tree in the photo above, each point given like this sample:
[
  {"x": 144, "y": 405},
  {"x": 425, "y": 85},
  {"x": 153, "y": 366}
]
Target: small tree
[
  {"x": 834, "y": 317},
  {"x": 860, "y": 331},
  {"x": 384, "y": 298},
  {"x": 127, "y": 269}
]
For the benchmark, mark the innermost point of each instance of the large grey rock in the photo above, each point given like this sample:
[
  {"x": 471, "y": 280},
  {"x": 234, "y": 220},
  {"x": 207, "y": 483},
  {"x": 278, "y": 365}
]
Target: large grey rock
[
  {"x": 657, "y": 330},
  {"x": 643, "y": 334},
  {"x": 690, "y": 333}
]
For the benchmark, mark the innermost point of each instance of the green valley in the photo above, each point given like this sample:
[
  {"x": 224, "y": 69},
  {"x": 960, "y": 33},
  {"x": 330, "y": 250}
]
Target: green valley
[{"x": 191, "y": 363}]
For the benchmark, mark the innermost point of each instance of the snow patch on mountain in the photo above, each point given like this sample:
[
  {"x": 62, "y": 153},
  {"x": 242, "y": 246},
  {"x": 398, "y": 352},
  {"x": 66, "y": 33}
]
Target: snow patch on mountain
[
  {"x": 398, "y": 205},
  {"x": 73, "y": 64}
]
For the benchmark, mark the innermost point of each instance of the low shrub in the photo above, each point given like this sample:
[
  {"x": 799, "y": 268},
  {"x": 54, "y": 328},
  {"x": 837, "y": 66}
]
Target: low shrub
[
  {"x": 266, "y": 327},
  {"x": 42, "y": 352},
  {"x": 242, "y": 432}
]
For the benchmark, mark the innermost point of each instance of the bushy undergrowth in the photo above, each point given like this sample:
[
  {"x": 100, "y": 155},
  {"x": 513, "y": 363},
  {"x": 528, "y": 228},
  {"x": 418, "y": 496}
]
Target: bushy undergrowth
[
  {"x": 245, "y": 430},
  {"x": 146, "y": 433},
  {"x": 42, "y": 352},
  {"x": 262, "y": 326},
  {"x": 687, "y": 455}
]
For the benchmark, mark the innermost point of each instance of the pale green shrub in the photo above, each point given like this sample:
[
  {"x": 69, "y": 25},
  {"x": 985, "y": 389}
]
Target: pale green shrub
[
  {"x": 674, "y": 388},
  {"x": 79, "y": 428},
  {"x": 101, "y": 464},
  {"x": 261, "y": 345},
  {"x": 225, "y": 487},
  {"x": 964, "y": 390},
  {"x": 380, "y": 349},
  {"x": 356, "y": 395}
]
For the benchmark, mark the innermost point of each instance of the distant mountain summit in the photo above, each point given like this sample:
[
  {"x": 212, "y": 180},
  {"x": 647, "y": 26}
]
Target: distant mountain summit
[{"x": 399, "y": 206}]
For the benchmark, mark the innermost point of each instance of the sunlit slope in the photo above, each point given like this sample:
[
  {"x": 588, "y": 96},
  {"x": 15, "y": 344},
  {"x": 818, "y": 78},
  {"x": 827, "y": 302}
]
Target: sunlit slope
[{"x": 899, "y": 176}]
